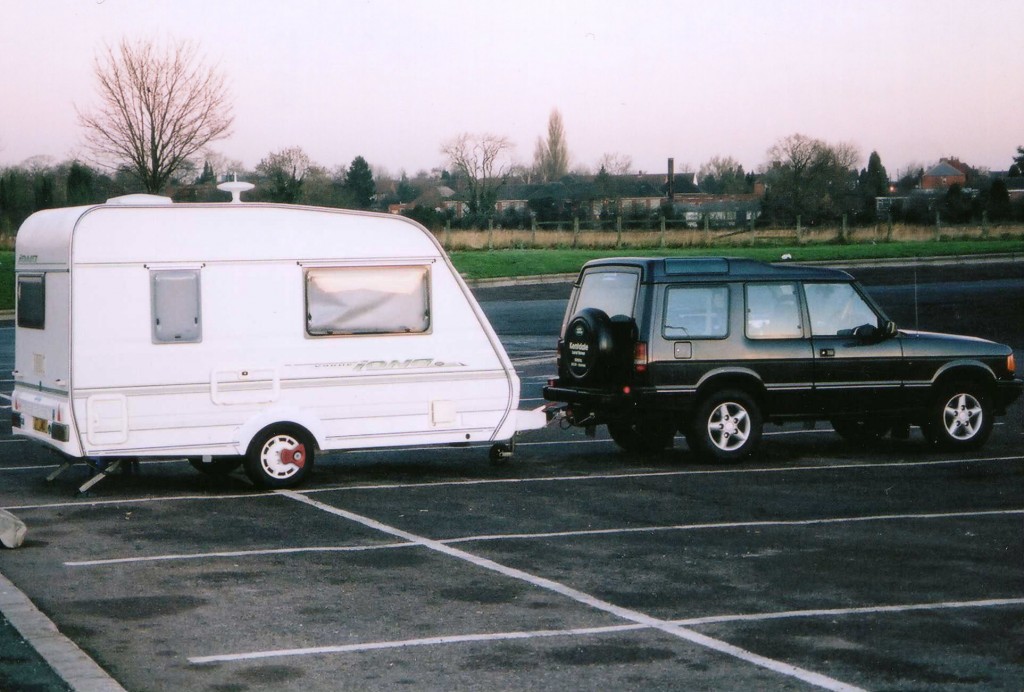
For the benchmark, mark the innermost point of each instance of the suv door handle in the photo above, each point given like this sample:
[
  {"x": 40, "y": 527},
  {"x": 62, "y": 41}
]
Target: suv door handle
[{"x": 827, "y": 353}]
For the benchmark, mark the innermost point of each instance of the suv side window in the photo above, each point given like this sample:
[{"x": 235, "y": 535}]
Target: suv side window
[
  {"x": 837, "y": 309},
  {"x": 773, "y": 311},
  {"x": 696, "y": 312}
]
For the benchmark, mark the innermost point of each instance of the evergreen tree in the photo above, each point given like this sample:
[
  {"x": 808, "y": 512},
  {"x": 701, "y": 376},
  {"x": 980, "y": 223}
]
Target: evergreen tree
[
  {"x": 1017, "y": 169},
  {"x": 208, "y": 176},
  {"x": 876, "y": 181},
  {"x": 359, "y": 183},
  {"x": 80, "y": 185}
]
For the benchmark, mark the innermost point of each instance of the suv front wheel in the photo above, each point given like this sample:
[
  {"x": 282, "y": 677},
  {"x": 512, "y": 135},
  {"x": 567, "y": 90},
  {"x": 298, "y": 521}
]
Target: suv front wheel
[
  {"x": 960, "y": 417},
  {"x": 726, "y": 426}
]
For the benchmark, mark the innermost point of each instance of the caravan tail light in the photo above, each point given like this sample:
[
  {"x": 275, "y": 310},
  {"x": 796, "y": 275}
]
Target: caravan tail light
[{"x": 640, "y": 357}]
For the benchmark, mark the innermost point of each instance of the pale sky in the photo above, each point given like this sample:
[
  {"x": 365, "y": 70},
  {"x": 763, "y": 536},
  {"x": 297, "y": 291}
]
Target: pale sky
[{"x": 392, "y": 80}]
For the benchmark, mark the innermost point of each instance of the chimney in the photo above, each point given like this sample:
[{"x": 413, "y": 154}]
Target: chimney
[{"x": 671, "y": 180}]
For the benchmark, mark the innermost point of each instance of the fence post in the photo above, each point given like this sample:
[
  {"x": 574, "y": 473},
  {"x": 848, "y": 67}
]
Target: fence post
[
  {"x": 938, "y": 226},
  {"x": 888, "y": 233},
  {"x": 984, "y": 224},
  {"x": 490, "y": 234},
  {"x": 618, "y": 231},
  {"x": 447, "y": 234},
  {"x": 799, "y": 230},
  {"x": 533, "y": 233},
  {"x": 575, "y": 231},
  {"x": 843, "y": 231},
  {"x": 661, "y": 241}
]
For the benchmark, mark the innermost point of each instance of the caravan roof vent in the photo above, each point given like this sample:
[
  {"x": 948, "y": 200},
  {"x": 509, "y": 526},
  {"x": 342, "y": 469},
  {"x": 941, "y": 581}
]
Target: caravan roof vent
[
  {"x": 236, "y": 188},
  {"x": 138, "y": 200}
]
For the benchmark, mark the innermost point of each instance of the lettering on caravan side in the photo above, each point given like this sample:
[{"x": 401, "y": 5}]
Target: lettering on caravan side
[{"x": 410, "y": 364}]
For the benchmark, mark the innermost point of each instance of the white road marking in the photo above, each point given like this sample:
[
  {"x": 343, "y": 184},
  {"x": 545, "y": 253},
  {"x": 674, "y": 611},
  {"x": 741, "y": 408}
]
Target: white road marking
[
  {"x": 543, "y": 479},
  {"x": 736, "y": 525},
  {"x": 589, "y": 631},
  {"x": 627, "y": 614},
  {"x": 781, "y": 523},
  {"x": 237, "y": 553}
]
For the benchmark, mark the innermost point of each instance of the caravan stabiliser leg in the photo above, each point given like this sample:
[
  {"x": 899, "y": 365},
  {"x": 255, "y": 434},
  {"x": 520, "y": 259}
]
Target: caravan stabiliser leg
[{"x": 502, "y": 452}]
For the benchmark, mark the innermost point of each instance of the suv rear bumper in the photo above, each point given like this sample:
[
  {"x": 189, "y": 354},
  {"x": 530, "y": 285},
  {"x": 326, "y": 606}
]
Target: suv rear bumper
[{"x": 588, "y": 399}]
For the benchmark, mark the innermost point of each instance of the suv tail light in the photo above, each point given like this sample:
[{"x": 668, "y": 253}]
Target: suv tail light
[
  {"x": 640, "y": 357},
  {"x": 1011, "y": 364}
]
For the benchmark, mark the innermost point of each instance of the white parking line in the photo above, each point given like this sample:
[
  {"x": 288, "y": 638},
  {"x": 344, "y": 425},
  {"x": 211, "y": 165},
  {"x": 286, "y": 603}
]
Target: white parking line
[
  {"x": 627, "y": 614},
  {"x": 781, "y": 523},
  {"x": 543, "y": 479},
  {"x": 589, "y": 631},
  {"x": 238, "y": 553}
]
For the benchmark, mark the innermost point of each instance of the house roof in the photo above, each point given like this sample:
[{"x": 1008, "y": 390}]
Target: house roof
[{"x": 943, "y": 170}]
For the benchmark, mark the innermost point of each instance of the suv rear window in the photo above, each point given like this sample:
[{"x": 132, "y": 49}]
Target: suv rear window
[{"x": 613, "y": 292}]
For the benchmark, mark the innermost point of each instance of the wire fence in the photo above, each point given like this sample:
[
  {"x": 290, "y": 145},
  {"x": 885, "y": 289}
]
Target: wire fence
[{"x": 678, "y": 235}]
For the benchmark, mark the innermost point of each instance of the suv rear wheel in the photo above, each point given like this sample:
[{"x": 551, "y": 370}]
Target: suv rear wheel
[{"x": 726, "y": 426}]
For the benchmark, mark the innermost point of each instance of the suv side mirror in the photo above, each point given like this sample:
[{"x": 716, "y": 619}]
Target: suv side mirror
[{"x": 868, "y": 332}]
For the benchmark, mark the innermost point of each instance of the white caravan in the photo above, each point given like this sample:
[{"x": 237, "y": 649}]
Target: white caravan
[{"x": 255, "y": 333}]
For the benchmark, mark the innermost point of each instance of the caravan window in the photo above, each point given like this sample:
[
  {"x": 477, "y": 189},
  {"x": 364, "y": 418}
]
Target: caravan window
[
  {"x": 367, "y": 300},
  {"x": 175, "y": 306},
  {"x": 32, "y": 301}
]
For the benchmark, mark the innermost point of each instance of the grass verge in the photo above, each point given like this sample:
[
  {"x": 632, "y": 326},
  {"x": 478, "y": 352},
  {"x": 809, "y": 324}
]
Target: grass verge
[{"x": 482, "y": 264}]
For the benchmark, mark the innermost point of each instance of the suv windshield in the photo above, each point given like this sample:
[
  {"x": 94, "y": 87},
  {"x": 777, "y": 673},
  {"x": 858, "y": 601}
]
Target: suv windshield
[{"x": 613, "y": 292}]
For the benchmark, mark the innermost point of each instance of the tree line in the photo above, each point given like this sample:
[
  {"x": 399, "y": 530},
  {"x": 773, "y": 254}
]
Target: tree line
[{"x": 159, "y": 110}]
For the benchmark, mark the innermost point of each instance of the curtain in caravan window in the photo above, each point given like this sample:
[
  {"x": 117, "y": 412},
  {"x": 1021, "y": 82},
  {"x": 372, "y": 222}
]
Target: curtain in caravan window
[{"x": 367, "y": 300}]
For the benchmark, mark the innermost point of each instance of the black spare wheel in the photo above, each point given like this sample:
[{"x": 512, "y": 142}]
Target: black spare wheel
[{"x": 588, "y": 344}]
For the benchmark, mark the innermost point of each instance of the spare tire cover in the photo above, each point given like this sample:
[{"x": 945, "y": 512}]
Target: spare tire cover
[{"x": 588, "y": 340}]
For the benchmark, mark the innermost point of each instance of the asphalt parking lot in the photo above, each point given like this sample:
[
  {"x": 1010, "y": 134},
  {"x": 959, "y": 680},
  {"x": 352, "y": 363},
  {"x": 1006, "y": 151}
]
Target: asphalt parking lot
[{"x": 815, "y": 565}]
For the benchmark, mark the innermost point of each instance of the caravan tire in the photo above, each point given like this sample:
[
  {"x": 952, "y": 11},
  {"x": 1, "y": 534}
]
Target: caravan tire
[{"x": 280, "y": 456}]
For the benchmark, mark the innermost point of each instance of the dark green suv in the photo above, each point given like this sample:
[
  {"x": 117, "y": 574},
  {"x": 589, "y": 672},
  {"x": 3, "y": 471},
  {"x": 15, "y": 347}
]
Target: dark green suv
[{"x": 715, "y": 347}]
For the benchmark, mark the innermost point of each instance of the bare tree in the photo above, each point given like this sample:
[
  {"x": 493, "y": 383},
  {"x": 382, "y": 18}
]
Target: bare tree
[
  {"x": 809, "y": 178},
  {"x": 158, "y": 107},
  {"x": 220, "y": 164},
  {"x": 722, "y": 175},
  {"x": 551, "y": 156},
  {"x": 282, "y": 173},
  {"x": 615, "y": 163},
  {"x": 483, "y": 161}
]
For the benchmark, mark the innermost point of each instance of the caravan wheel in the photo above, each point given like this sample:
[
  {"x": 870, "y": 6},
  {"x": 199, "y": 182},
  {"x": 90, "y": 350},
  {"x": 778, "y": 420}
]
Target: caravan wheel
[{"x": 280, "y": 456}]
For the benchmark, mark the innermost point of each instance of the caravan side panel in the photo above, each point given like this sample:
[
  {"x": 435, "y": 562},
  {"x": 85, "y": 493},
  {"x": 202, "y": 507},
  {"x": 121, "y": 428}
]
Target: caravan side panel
[{"x": 253, "y": 357}]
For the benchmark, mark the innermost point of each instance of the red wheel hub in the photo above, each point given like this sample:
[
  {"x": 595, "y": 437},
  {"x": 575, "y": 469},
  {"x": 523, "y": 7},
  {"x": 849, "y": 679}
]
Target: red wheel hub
[{"x": 295, "y": 456}]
